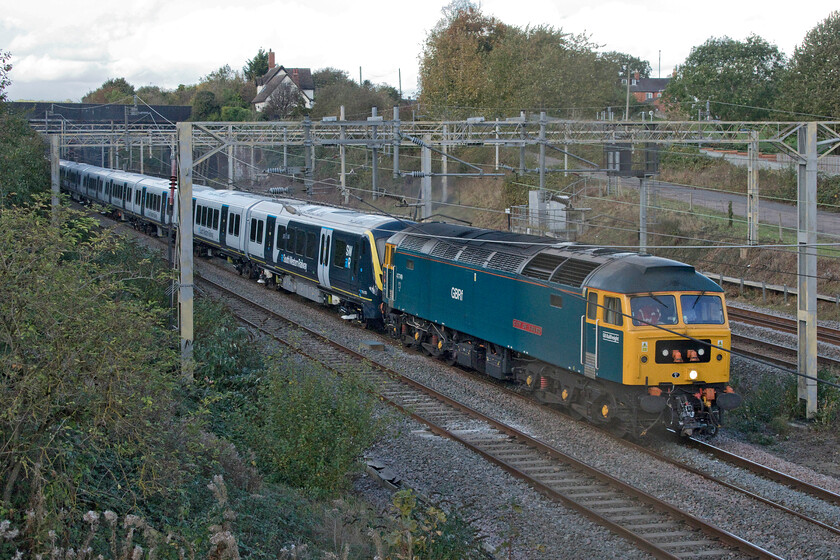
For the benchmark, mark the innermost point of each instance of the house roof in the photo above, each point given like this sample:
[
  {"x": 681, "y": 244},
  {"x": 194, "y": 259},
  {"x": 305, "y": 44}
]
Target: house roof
[
  {"x": 650, "y": 84},
  {"x": 301, "y": 77}
]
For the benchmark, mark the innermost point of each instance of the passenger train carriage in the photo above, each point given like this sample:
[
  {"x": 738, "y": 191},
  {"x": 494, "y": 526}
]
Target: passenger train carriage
[
  {"x": 326, "y": 254},
  {"x": 623, "y": 339}
]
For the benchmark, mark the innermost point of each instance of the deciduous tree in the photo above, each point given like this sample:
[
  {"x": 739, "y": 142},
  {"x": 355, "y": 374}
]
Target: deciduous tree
[
  {"x": 813, "y": 81},
  {"x": 5, "y": 68},
  {"x": 115, "y": 90},
  {"x": 740, "y": 79}
]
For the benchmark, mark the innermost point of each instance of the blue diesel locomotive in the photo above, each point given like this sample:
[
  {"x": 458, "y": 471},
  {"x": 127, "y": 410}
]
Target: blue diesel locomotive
[{"x": 625, "y": 340}]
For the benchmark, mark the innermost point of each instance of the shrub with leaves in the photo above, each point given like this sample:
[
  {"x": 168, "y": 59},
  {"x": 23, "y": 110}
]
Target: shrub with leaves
[{"x": 310, "y": 428}]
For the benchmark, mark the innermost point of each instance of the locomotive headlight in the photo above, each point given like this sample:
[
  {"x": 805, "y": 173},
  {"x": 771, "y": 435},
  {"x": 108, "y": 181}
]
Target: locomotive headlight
[
  {"x": 692, "y": 374},
  {"x": 665, "y": 352},
  {"x": 701, "y": 351}
]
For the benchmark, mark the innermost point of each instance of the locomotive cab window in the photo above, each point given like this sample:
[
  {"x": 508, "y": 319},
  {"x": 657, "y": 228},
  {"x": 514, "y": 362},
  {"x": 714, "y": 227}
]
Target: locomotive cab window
[
  {"x": 281, "y": 237},
  {"x": 612, "y": 311},
  {"x": 653, "y": 310},
  {"x": 701, "y": 309},
  {"x": 592, "y": 306}
]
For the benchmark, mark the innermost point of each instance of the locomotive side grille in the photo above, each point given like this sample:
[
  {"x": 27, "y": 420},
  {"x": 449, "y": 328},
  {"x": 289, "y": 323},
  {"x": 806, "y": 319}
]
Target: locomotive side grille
[
  {"x": 542, "y": 265},
  {"x": 574, "y": 271},
  {"x": 445, "y": 250},
  {"x": 474, "y": 256},
  {"x": 505, "y": 262}
]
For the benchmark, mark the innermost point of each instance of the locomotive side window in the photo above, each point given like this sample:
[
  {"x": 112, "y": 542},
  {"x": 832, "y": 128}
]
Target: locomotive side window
[
  {"x": 612, "y": 311},
  {"x": 556, "y": 300},
  {"x": 654, "y": 310},
  {"x": 592, "y": 306},
  {"x": 701, "y": 309},
  {"x": 409, "y": 264}
]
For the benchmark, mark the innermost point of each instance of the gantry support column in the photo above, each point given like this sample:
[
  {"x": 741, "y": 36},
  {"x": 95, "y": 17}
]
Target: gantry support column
[
  {"x": 426, "y": 171},
  {"x": 752, "y": 189},
  {"x": 185, "y": 248},
  {"x": 55, "y": 175},
  {"x": 807, "y": 238},
  {"x": 444, "y": 167}
]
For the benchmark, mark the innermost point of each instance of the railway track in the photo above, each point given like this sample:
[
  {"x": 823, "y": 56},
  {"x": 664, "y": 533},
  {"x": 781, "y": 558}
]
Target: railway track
[
  {"x": 782, "y": 324},
  {"x": 653, "y": 525},
  {"x": 664, "y": 532}
]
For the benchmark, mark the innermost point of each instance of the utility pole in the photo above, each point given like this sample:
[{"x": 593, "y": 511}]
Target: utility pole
[
  {"x": 444, "y": 162},
  {"x": 752, "y": 189},
  {"x": 55, "y": 175},
  {"x": 342, "y": 150},
  {"x": 185, "y": 234},
  {"x": 807, "y": 264},
  {"x": 643, "y": 208},
  {"x": 426, "y": 170},
  {"x": 627, "y": 103}
]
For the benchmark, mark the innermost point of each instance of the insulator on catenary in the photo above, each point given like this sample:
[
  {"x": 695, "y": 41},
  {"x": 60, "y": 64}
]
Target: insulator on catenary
[{"x": 279, "y": 190}]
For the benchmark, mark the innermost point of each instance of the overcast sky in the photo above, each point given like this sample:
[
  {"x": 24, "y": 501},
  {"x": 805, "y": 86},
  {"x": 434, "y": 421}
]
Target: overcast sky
[{"x": 62, "y": 49}]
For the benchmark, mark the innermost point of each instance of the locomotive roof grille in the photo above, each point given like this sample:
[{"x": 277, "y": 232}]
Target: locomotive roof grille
[
  {"x": 413, "y": 243},
  {"x": 542, "y": 265},
  {"x": 474, "y": 255},
  {"x": 573, "y": 272},
  {"x": 445, "y": 250},
  {"x": 506, "y": 262}
]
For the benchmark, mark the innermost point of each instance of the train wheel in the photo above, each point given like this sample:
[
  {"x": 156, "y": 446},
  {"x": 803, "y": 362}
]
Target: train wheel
[{"x": 603, "y": 409}]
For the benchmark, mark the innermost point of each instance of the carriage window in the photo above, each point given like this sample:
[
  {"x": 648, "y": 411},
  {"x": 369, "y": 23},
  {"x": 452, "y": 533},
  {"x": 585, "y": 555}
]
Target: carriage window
[
  {"x": 215, "y": 218},
  {"x": 700, "y": 309},
  {"x": 339, "y": 254},
  {"x": 311, "y": 245},
  {"x": 592, "y": 305},
  {"x": 281, "y": 237},
  {"x": 612, "y": 311},
  {"x": 137, "y": 197},
  {"x": 556, "y": 300},
  {"x": 259, "y": 231},
  {"x": 253, "y": 230},
  {"x": 653, "y": 310},
  {"x": 236, "y": 226},
  {"x": 300, "y": 243}
]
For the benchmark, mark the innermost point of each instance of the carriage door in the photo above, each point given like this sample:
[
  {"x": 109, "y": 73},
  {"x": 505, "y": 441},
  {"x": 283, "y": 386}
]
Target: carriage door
[
  {"x": 324, "y": 257},
  {"x": 589, "y": 327},
  {"x": 269, "y": 238},
  {"x": 223, "y": 226}
]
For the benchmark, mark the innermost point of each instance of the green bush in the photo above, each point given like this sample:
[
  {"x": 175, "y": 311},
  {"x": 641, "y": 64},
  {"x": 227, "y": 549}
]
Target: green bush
[{"x": 310, "y": 428}]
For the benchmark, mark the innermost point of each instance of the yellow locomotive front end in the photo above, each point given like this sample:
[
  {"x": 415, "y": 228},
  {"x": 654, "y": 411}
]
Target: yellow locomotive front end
[{"x": 677, "y": 347}]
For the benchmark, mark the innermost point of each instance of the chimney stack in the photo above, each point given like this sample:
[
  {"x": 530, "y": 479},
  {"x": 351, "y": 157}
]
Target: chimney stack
[
  {"x": 636, "y": 75},
  {"x": 270, "y": 59}
]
